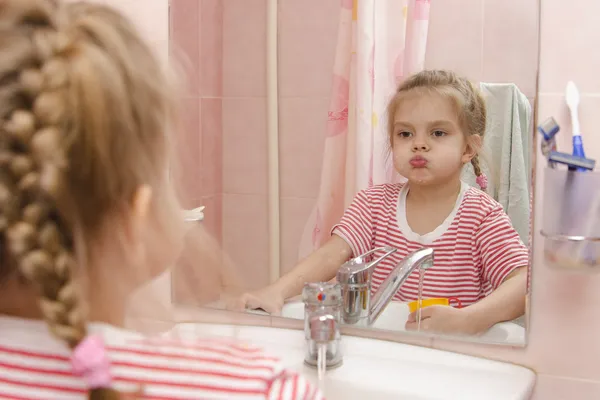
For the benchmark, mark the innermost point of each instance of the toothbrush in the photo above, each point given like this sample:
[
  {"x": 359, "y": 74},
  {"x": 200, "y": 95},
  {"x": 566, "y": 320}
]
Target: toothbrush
[{"x": 572, "y": 97}]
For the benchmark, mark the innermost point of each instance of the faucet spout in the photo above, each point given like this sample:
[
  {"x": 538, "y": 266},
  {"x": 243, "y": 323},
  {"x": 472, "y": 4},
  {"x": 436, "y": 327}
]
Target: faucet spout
[{"x": 422, "y": 258}]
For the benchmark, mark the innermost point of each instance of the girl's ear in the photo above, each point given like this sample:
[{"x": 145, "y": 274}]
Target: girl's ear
[{"x": 474, "y": 144}]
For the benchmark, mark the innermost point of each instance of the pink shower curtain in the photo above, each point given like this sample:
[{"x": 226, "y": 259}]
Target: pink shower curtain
[{"x": 379, "y": 43}]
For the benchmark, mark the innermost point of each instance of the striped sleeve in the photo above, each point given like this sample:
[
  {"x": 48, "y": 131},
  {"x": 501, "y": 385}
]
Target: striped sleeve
[
  {"x": 291, "y": 386},
  {"x": 500, "y": 247},
  {"x": 356, "y": 226}
]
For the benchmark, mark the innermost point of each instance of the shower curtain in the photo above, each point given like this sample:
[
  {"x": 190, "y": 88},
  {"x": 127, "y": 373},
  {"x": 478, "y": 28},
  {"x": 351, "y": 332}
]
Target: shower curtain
[{"x": 379, "y": 43}]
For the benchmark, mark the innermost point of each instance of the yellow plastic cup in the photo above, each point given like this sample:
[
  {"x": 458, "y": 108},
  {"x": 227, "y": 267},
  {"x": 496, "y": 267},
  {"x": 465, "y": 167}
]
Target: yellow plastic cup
[{"x": 434, "y": 301}]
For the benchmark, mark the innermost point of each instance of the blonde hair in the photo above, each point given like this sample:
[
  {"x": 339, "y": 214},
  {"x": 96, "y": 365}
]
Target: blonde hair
[
  {"x": 84, "y": 108},
  {"x": 467, "y": 99}
]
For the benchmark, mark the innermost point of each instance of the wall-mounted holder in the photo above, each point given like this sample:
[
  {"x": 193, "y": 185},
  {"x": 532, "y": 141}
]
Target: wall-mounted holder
[
  {"x": 571, "y": 219},
  {"x": 194, "y": 215}
]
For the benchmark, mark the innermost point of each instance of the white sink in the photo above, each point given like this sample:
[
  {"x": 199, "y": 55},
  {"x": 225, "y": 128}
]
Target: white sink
[
  {"x": 374, "y": 369},
  {"x": 396, "y": 313}
]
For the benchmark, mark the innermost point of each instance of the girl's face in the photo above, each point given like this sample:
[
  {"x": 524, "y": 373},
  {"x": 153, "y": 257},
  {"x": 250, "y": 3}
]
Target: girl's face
[{"x": 428, "y": 144}]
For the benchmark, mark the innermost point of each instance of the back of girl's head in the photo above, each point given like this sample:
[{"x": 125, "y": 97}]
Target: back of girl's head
[
  {"x": 83, "y": 112},
  {"x": 467, "y": 99}
]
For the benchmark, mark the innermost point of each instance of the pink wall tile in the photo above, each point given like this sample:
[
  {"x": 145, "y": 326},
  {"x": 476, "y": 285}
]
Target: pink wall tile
[
  {"x": 558, "y": 344},
  {"x": 556, "y": 388},
  {"x": 211, "y": 157},
  {"x": 510, "y": 50},
  {"x": 186, "y": 167},
  {"x": 302, "y": 140},
  {"x": 482, "y": 45},
  {"x": 564, "y": 333},
  {"x": 211, "y": 48},
  {"x": 185, "y": 36},
  {"x": 213, "y": 215},
  {"x": 245, "y": 237},
  {"x": 570, "y": 52},
  {"x": 244, "y": 48},
  {"x": 559, "y": 298},
  {"x": 308, "y": 37},
  {"x": 294, "y": 215},
  {"x": 244, "y": 146},
  {"x": 455, "y": 38}
]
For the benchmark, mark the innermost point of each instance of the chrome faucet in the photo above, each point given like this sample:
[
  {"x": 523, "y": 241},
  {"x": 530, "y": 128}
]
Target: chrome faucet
[
  {"x": 354, "y": 278},
  {"x": 322, "y": 313}
]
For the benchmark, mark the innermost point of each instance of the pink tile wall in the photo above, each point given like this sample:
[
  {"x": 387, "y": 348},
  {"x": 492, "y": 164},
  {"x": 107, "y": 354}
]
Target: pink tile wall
[
  {"x": 307, "y": 41},
  {"x": 245, "y": 224},
  {"x": 244, "y": 48},
  {"x": 308, "y": 35},
  {"x": 490, "y": 42},
  {"x": 196, "y": 46}
]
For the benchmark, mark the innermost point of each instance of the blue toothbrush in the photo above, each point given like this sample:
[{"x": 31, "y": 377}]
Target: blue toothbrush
[{"x": 572, "y": 97}]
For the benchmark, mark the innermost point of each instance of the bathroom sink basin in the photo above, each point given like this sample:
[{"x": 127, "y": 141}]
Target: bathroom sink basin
[
  {"x": 374, "y": 369},
  {"x": 396, "y": 313}
]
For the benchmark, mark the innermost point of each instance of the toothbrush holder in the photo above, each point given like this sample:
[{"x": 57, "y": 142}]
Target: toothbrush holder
[{"x": 571, "y": 219}]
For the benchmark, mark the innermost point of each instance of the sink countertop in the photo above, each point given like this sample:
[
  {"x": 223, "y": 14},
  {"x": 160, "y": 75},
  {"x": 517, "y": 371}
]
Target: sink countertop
[{"x": 385, "y": 370}]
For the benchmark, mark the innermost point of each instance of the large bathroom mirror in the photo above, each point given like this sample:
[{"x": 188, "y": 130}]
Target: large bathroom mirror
[{"x": 286, "y": 138}]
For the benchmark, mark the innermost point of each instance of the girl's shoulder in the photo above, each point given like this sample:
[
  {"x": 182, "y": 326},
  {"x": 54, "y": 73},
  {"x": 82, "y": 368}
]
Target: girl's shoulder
[{"x": 479, "y": 203}]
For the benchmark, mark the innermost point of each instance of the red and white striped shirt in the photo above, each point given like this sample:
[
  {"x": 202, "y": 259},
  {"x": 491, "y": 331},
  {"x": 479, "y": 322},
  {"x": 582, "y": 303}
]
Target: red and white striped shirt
[
  {"x": 474, "y": 249},
  {"x": 34, "y": 365}
]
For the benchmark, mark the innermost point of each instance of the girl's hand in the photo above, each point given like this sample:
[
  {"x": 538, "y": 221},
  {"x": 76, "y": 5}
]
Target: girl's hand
[
  {"x": 269, "y": 299},
  {"x": 444, "y": 319}
]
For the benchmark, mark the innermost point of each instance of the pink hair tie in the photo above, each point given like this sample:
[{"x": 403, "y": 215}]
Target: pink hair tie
[
  {"x": 482, "y": 181},
  {"x": 90, "y": 362}
]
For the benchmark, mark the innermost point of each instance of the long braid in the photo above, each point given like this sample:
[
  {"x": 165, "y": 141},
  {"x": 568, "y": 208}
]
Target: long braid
[
  {"x": 33, "y": 154},
  {"x": 476, "y": 166},
  {"x": 84, "y": 107}
]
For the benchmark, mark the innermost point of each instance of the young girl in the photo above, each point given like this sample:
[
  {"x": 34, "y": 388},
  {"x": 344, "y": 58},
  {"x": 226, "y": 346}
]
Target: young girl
[
  {"x": 436, "y": 125},
  {"x": 87, "y": 216}
]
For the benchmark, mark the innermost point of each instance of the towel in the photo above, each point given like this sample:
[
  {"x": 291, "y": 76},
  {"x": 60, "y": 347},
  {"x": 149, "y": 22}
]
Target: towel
[{"x": 506, "y": 157}]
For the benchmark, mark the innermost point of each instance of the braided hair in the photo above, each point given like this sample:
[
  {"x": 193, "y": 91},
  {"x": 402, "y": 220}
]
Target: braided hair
[{"x": 83, "y": 108}]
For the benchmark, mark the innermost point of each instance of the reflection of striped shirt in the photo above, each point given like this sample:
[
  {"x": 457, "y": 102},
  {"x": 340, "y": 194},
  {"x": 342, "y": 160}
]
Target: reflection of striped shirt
[
  {"x": 475, "y": 248},
  {"x": 33, "y": 365}
]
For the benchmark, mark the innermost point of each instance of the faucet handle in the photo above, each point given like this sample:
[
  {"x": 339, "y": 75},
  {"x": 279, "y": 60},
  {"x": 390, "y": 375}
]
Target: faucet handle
[
  {"x": 361, "y": 258},
  {"x": 357, "y": 270}
]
